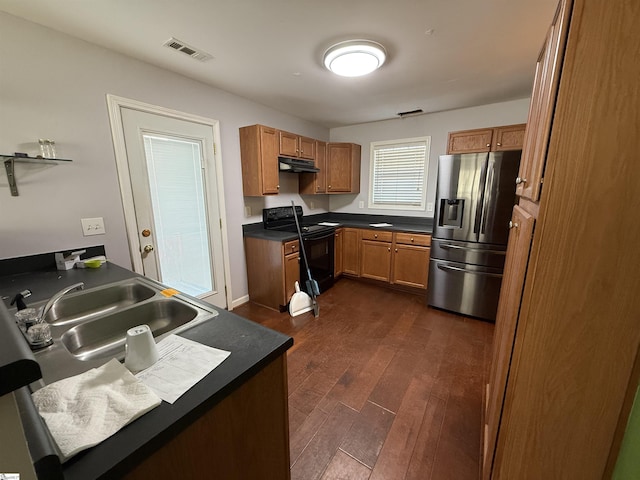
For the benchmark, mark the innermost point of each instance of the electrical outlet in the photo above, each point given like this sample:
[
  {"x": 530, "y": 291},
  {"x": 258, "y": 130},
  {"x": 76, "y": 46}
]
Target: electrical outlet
[
  {"x": 429, "y": 207},
  {"x": 312, "y": 205},
  {"x": 361, "y": 204},
  {"x": 93, "y": 226},
  {"x": 247, "y": 211}
]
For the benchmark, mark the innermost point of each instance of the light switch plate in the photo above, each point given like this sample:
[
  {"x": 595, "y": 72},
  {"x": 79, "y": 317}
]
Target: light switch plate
[
  {"x": 361, "y": 204},
  {"x": 429, "y": 207},
  {"x": 93, "y": 226},
  {"x": 247, "y": 211}
]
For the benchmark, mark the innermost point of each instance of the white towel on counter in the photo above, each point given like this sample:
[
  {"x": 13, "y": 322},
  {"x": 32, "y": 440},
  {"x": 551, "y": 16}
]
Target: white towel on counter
[{"x": 84, "y": 410}]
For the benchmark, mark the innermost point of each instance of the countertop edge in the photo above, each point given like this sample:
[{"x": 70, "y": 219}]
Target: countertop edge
[
  {"x": 18, "y": 366},
  {"x": 422, "y": 225}
]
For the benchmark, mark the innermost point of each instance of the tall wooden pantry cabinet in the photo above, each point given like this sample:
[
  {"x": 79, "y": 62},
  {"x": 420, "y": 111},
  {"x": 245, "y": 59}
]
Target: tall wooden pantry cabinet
[{"x": 565, "y": 364}]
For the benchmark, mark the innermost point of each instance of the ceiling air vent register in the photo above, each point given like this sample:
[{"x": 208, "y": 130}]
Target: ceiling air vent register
[{"x": 193, "y": 52}]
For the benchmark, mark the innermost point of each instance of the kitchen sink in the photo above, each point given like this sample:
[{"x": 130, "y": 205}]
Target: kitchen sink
[
  {"x": 86, "y": 305},
  {"x": 105, "y": 337},
  {"x": 89, "y": 327}
]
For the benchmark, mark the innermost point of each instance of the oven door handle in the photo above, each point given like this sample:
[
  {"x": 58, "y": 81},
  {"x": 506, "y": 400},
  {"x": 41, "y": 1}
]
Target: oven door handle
[{"x": 318, "y": 236}]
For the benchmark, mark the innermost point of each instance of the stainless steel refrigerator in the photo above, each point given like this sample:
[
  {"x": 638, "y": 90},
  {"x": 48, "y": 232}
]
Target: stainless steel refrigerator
[{"x": 474, "y": 199}]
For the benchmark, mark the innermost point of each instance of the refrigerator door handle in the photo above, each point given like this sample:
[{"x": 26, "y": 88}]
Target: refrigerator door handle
[
  {"x": 457, "y": 269},
  {"x": 488, "y": 202},
  {"x": 447, "y": 246},
  {"x": 480, "y": 191}
]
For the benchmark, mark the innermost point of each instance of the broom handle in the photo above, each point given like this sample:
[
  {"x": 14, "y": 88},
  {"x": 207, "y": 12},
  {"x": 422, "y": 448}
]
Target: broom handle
[{"x": 304, "y": 254}]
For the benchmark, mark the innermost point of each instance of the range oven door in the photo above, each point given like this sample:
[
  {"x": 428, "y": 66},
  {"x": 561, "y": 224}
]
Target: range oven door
[{"x": 319, "y": 250}]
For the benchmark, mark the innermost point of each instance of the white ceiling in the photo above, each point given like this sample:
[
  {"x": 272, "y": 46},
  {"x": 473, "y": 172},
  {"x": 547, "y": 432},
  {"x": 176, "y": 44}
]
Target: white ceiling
[{"x": 270, "y": 51}]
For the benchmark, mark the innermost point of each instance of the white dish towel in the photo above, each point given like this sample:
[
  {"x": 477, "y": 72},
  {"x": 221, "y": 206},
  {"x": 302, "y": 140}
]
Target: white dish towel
[{"x": 84, "y": 410}]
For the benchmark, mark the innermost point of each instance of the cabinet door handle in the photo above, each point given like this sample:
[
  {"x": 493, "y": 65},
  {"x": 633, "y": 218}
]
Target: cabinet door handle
[
  {"x": 277, "y": 187},
  {"x": 488, "y": 144},
  {"x": 513, "y": 224},
  {"x": 499, "y": 144},
  {"x": 396, "y": 250},
  {"x": 411, "y": 240},
  {"x": 520, "y": 180},
  {"x": 329, "y": 187},
  {"x": 375, "y": 235},
  {"x": 389, "y": 249}
]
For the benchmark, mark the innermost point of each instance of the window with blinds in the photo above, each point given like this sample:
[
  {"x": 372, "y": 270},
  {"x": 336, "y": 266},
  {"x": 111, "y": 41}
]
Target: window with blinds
[{"x": 399, "y": 174}]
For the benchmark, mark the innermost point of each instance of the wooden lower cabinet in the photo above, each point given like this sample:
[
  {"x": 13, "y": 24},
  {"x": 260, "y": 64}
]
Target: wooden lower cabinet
[
  {"x": 351, "y": 251},
  {"x": 396, "y": 258},
  {"x": 272, "y": 270},
  {"x": 375, "y": 254},
  {"x": 245, "y": 435},
  {"x": 410, "y": 265}
]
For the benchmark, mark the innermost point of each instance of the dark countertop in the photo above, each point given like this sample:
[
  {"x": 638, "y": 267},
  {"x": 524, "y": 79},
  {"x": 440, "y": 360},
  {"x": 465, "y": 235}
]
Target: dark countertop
[
  {"x": 354, "y": 220},
  {"x": 251, "y": 345}
]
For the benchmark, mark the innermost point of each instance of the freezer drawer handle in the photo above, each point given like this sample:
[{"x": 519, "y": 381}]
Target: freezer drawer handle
[
  {"x": 447, "y": 246},
  {"x": 456, "y": 269}
]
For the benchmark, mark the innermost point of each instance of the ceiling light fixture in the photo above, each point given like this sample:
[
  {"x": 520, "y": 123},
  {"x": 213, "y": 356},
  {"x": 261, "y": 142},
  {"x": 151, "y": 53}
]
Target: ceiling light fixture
[{"x": 354, "y": 58}]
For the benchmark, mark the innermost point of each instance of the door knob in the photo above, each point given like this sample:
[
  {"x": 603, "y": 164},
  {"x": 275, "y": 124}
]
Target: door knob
[{"x": 148, "y": 248}]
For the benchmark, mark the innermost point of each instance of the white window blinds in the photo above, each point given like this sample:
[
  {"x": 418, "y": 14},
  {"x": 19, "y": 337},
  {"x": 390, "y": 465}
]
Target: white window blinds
[{"x": 399, "y": 174}]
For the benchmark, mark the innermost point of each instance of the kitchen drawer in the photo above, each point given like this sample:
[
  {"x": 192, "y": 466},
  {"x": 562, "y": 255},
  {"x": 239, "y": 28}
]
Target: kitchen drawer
[
  {"x": 291, "y": 246},
  {"x": 378, "y": 235},
  {"x": 413, "y": 239}
]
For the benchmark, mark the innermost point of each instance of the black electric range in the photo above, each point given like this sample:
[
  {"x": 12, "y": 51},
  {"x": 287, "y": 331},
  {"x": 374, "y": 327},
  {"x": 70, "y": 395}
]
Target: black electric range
[
  {"x": 282, "y": 219},
  {"x": 317, "y": 242}
]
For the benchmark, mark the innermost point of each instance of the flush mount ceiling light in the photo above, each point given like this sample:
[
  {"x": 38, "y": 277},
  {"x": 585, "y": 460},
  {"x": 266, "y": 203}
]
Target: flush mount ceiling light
[{"x": 354, "y": 58}]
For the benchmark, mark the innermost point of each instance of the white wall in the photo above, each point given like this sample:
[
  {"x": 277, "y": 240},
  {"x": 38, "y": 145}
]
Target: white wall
[
  {"x": 436, "y": 125},
  {"x": 54, "y": 86}
]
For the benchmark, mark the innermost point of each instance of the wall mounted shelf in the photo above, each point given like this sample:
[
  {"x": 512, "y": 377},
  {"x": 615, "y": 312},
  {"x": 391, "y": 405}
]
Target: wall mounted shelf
[{"x": 9, "y": 167}]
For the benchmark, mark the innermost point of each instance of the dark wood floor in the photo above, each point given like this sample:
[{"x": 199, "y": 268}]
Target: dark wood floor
[{"x": 382, "y": 386}]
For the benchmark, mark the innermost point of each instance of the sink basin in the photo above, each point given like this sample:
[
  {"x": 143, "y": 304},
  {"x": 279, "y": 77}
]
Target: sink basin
[
  {"x": 89, "y": 327},
  {"x": 86, "y": 305},
  {"x": 105, "y": 337}
]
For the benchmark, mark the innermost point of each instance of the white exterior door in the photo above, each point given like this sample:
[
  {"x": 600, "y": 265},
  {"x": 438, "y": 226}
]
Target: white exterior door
[{"x": 172, "y": 182}]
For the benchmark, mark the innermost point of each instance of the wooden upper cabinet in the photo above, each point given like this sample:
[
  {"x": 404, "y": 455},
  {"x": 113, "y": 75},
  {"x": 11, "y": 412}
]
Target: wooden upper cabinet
[
  {"x": 508, "y": 138},
  {"x": 496, "y": 139},
  {"x": 470, "y": 141},
  {"x": 292, "y": 145},
  {"x": 343, "y": 168},
  {"x": 259, "y": 158},
  {"x": 314, "y": 183},
  {"x": 541, "y": 109},
  {"x": 307, "y": 148}
]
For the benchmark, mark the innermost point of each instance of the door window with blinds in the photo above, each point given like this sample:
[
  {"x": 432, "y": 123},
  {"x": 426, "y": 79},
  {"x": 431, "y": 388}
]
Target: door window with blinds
[
  {"x": 399, "y": 174},
  {"x": 178, "y": 198}
]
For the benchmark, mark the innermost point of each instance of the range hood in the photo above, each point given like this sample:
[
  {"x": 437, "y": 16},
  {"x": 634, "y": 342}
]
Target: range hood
[{"x": 296, "y": 165}]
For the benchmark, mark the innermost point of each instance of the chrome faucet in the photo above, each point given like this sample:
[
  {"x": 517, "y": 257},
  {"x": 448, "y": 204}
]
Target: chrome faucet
[{"x": 52, "y": 301}]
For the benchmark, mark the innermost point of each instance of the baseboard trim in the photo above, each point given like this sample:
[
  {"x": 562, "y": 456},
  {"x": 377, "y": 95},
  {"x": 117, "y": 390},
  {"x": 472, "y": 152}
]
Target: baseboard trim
[{"x": 239, "y": 301}]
